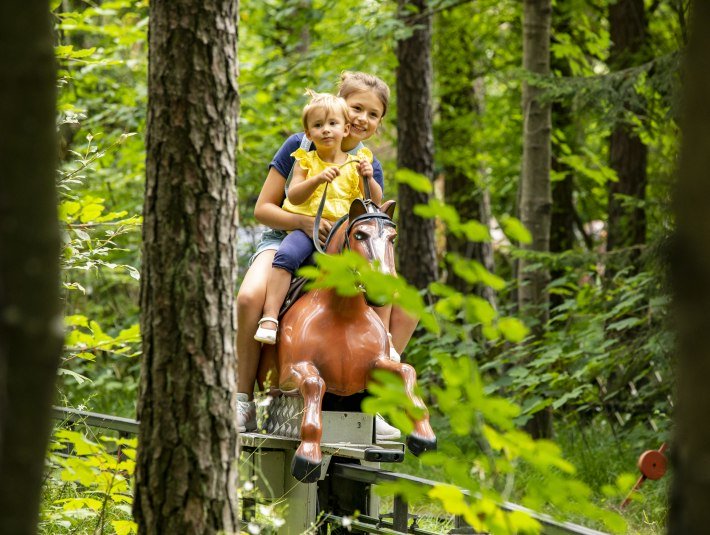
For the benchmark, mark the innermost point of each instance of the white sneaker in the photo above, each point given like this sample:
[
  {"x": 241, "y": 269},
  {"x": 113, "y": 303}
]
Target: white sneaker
[
  {"x": 384, "y": 431},
  {"x": 246, "y": 413},
  {"x": 394, "y": 356}
]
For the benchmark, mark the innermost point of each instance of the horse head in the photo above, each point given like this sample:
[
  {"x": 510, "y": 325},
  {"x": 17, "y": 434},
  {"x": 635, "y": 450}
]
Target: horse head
[
  {"x": 371, "y": 233},
  {"x": 368, "y": 231}
]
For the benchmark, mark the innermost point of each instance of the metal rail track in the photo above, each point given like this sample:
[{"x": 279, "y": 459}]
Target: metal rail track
[{"x": 354, "y": 473}]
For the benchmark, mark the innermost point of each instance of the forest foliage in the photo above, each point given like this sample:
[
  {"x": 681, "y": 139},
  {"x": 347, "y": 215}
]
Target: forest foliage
[{"x": 603, "y": 363}]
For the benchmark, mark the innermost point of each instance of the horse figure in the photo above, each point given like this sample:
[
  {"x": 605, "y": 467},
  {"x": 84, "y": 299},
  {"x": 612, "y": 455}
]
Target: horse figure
[{"x": 329, "y": 342}]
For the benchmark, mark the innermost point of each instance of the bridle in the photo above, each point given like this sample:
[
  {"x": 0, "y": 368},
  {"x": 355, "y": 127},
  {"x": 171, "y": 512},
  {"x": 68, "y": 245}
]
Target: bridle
[{"x": 381, "y": 216}]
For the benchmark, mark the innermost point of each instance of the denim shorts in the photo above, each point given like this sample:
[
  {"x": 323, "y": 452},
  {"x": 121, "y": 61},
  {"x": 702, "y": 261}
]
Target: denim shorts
[{"x": 270, "y": 241}]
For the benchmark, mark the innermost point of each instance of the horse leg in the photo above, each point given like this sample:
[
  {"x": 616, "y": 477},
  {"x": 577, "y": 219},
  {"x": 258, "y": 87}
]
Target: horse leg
[
  {"x": 307, "y": 460},
  {"x": 422, "y": 438}
]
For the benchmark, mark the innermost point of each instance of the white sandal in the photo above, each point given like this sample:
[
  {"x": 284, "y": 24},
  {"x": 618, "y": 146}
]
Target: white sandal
[
  {"x": 394, "y": 356},
  {"x": 264, "y": 335}
]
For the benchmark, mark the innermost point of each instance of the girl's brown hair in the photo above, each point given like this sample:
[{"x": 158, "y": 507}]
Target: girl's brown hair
[{"x": 355, "y": 81}]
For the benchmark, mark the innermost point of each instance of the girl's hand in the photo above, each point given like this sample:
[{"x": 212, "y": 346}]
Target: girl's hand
[
  {"x": 306, "y": 225},
  {"x": 365, "y": 170},
  {"x": 328, "y": 175},
  {"x": 324, "y": 230}
]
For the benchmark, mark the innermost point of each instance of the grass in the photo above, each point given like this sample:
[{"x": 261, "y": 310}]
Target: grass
[{"x": 600, "y": 453}]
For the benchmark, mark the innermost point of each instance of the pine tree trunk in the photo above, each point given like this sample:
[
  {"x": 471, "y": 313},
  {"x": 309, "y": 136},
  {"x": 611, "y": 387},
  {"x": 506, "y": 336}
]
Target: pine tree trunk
[
  {"x": 690, "y": 264},
  {"x": 627, "y": 153},
  {"x": 535, "y": 196},
  {"x": 186, "y": 471},
  {"x": 415, "y": 146},
  {"x": 30, "y": 310}
]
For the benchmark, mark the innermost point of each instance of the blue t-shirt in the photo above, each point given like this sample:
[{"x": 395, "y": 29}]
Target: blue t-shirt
[{"x": 283, "y": 161}]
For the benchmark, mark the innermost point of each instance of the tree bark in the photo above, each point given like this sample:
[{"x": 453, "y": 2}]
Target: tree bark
[
  {"x": 627, "y": 153},
  {"x": 186, "y": 470},
  {"x": 535, "y": 195},
  {"x": 690, "y": 267},
  {"x": 415, "y": 145},
  {"x": 30, "y": 310}
]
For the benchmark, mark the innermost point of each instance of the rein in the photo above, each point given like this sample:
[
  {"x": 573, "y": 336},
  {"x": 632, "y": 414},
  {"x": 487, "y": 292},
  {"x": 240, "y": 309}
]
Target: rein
[{"x": 319, "y": 213}]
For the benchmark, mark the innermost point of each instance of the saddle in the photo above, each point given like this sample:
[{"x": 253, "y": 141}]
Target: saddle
[
  {"x": 298, "y": 284},
  {"x": 295, "y": 291}
]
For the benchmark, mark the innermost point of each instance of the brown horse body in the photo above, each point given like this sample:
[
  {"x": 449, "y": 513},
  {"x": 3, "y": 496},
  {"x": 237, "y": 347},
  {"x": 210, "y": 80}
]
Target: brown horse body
[{"x": 329, "y": 342}]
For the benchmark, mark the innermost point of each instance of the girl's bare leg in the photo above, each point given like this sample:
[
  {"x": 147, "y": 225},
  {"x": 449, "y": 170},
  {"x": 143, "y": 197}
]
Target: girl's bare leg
[
  {"x": 276, "y": 290},
  {"x": 401, "y": 326},
  {"x": 384, "y": 313},
  {"x": 250, "y": 304}
]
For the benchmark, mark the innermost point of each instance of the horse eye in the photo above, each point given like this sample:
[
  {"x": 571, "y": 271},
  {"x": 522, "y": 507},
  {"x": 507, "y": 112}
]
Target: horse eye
[{"x": 359, "y": 236}]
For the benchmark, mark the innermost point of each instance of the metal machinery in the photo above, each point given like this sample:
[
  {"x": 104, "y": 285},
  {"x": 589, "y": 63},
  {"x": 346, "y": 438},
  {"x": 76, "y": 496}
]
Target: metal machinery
[
  {"x": 348, "y": 438},
  {"x": 350, "y": 470}
]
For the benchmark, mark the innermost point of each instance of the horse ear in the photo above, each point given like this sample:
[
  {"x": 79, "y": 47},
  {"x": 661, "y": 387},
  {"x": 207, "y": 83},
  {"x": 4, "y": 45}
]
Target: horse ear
[
  {"x": 388, "y": 208},
  {"x": 357, "y": 208}
]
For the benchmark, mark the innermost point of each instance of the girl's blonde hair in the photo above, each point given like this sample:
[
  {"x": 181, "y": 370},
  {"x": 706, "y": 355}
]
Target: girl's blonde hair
[
  {"x": 355, "y": 82},
  {"x": 330, "y": 103}
]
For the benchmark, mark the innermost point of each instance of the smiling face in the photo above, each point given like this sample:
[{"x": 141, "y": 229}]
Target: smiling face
[
  {"x": 366, "y": 111},
  {"x": 326, "y": 128}
]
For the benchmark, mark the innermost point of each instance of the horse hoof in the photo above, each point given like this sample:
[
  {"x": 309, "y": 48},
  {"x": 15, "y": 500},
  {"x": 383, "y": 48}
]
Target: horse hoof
[
  {"x": 305, "y": 470},
  {"x": 418, "y": 445}
]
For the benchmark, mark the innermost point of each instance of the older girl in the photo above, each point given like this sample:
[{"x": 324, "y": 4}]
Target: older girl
[{"x": 367, "y": 98}]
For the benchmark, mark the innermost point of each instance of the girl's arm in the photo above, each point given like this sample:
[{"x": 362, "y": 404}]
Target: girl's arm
[
  {"x": 302, "y": 187},
  {"x": 268, "y": 209},
  {"x": 366, "y": 173}
]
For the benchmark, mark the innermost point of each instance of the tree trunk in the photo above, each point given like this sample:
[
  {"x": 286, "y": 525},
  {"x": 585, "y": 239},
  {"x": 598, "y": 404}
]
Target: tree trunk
[
  {"x": 690, "y": 265},
  {"x": 535, "y": 196},
  {"x": 186, "y": 471},
  {"x": 415, "y": 145},
  {"x": 30, "y": 310},
  {"x": 627, "y": 153}
]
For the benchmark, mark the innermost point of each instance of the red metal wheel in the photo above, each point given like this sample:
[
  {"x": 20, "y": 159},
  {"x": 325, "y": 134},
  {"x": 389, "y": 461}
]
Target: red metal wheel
[{"x": 652, "y": 464}]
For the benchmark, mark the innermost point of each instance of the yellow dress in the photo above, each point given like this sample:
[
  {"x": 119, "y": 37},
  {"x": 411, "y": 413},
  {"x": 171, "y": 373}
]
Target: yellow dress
[{"x": 344, "y": 189}]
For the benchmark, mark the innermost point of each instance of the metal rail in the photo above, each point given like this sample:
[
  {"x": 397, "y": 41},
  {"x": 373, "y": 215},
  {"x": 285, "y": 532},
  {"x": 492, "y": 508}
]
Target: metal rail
[
  {"x": 351, "y": 472},
  {"x": 373, "y": 476},
  {"x": 95, "y": 419}
]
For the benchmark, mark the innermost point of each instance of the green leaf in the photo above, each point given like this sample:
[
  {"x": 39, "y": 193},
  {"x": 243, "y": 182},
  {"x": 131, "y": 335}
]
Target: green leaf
[
  {"x": 626, "y": 323},
  {"x": 474, "y": 231},
  {"x": 79, "y": 378},
  {"x": 124, "y": 527},
  {"x": 67, "y": 209},
  {"x": 91, "y": 212},
  {"x": 512, "y": 329},
  {"x": 515, "y": 230},
  {"x": 414, "y": 180},
  {"x": 437, "y": 209}
]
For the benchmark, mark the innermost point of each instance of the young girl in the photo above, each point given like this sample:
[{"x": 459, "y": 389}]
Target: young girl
[
  {"x": 326, "y": 121},
  {"x": 368, "y": 99}
]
